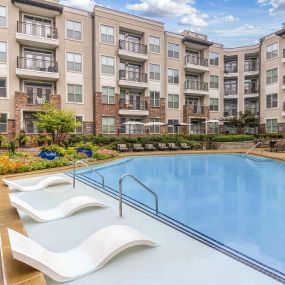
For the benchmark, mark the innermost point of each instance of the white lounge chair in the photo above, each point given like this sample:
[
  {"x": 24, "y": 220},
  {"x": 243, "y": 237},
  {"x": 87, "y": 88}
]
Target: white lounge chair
[
  {"x": 48, "y": 181},
  {"x": 67, "y": 208},
  {"x": 89, "y": 256}
]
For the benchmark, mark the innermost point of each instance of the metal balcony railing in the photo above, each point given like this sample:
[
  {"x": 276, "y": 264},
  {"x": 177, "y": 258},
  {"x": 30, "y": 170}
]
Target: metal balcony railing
[
  {"x": 230, "y": 68},
  {"x": 132, "y": 104},
  {"x": 230, "y": 112},
  {"x": 283, "y": 106},
  {"x": 132, "y": 46},
  {"x": 253, "y": 111},
  {"x": 132, "y": 76},
  {"x": 195, "y": 85},
  {"x": 253, "y": 66},
  {"x": 37, "y": 64},
  {"x": 35, "y": 29},
  {"x": 251, "y": 89},
  {"x": 191, "y": 59},
  {"x": 283, "y": 53},
  {"x": 37, "y": 99},
  {"x": 229, "y": 92}
]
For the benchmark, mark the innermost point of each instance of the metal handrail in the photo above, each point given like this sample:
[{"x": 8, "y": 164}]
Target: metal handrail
[
  {"x": 252, "y": 148},
  {"x": 76, "y": 162},
  {"x": 140, "y": 183}
]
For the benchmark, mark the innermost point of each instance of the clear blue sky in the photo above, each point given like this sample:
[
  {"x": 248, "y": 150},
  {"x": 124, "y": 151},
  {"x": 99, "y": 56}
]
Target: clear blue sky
[{"x": 231, "y": 22}]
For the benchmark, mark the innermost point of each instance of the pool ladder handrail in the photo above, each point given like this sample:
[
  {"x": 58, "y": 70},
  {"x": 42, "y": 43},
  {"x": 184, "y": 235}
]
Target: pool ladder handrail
[
  {"x": 252, "y": 148},
  {"x": 92, "y": 167},
  {"x": 140, "y": 183}
]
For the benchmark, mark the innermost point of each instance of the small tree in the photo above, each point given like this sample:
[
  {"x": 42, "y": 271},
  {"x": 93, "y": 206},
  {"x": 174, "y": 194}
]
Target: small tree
[
  {"x": 57, "y": 122},
  {"x": 242, "y": 121}
]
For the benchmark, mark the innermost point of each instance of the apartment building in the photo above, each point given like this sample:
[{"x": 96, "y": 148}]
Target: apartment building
[{"x": 109, "y": 67}]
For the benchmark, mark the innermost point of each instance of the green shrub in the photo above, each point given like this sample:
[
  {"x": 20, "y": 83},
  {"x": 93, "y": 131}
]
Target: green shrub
[
  {"x": 103, "y": 154},
  {"x": 195, "y": 144},
  {"x": 269, "y": 136},
  {"x": 232, "y": 138}
]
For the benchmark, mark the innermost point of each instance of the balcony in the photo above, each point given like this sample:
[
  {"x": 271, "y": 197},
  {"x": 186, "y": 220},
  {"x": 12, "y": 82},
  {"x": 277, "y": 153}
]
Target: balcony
[
  {"x": 37, "y": 35},
  {"x": 283, "y": 111},
  {"x": 37, "y": 99},
  {"x": 196, "y": 64},
  {"x": 231, "y": 92},
  {"x": 251, "y": 69},
  {"x": 283, "y": 58},
  {"x": 132, "y": 51},
  {"x": 251, "y": 91},
  {"x": 196, "y": 87},
  {"x": 195, "y": 111},
  {"x": 252, "y": 110},
  {"x": 132, "y": 79},
  {"x": 231, "y": 70},
  {"x": 230, "y": 113},
  {"x": 283, "y": 83},
  {"x": 31, "y": 68},
  {"x": 133, "y": 107}
]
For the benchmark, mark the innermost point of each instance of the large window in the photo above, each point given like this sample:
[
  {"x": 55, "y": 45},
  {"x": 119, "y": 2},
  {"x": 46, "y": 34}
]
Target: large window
[
  {"x": 3, "y": 16},
  {"x": 108, "y": 125},
  {"x": 107, "y": 64},
  {"x": 73, "y": 30},
  {"x": 154, "y": 71},
  {"x": 154, "y": 129},
  {"x": 3, "y": 52},
  {"x": 272, "y": 51},
  {"x": 3, "y": 88},
  {"x": 271, "y": 101},
  {"x": 214, "y": 81},
  {"x": 173, "y": 76},
  {"x": 108, "y": 95},
  {"x": 154, "y": 44},
  {"x": 214, "y": 104},
  {"x": 107, "y": 34},
  {"x": 154, "y": 99},
  {"x": 272, "y": 126},
  {"x": 271, "y": 76},
  {"x": 173, "y": 50},
  {"x": 172, "y": 129},
  {"x": 3, "y": 123},
  {"x": 214, "y": 58},
  {"x": 173, "y": 101},
  {"x": 79, "y": 129},
  {"x": 74, "y": 93},
  {"x": 231, "y": 87},
  {"x": 74, "y": 62}
]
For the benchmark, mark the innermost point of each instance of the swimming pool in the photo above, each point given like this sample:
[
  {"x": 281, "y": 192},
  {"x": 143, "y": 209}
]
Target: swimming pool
[{"x": 232, "y": 203}]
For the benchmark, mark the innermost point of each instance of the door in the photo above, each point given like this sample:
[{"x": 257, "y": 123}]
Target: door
[
  {"x": 134, "y": 72},
  {"x": 135, "y": 100},
  {"x": 194, "y": 103},
  {"x": 193, "y": 56},
  {"x": 134, "y": 43}
]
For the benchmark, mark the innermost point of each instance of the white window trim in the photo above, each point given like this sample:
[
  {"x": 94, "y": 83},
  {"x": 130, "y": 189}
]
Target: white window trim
[
  {"x": 277, "y": 82},
  {"x": 111, "y": 26},
  {"x": 8, "y": 116},
  {"x": 108, "y": 116},
  {"x": 149, "y": 36},
  {"x": 176, "y": 84},
  {"x": 271, "y": 118},
  {"x": 278, "y": 53},
  {"x": 7, "y": 88},
  {"x": 173, "y": 57},
  {"x": 219, "y": 101},
  {"x": 108, "y": 86},
  {"x": 265, "y": 104},
  {"x": 33, "y": 15},
  {"x": 150, "y": 99},
  {"x": 65, "y": 32},
  {"x": 7, "y": 14},
  {"x": 156, "y": 80},
  {"x": 219, "y": 59},
  {"x": 219, "y": 82},
  {"x": 75, "y": 103},
  {"x": 82, "y": 62},
  {"x": 168, "y": 108},
  {"x": 108, "y": 74},
  {"x": 80, "y": 115},
  {"x": 7, "y": 54}
]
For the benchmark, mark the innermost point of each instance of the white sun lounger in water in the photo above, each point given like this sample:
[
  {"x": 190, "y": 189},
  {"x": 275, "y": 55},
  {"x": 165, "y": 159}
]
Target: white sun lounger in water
[
  {"x": 67, "y": 208},
  {"x": 89, "y": 256},
  {"x": 48, "y": 181}
]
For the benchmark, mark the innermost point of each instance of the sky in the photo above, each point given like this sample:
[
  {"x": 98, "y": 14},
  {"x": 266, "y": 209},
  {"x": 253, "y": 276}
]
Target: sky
[{"x": 229, "y": 22}]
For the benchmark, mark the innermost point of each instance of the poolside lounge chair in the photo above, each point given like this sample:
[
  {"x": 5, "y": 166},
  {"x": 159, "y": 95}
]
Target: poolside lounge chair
[
  {"x": 137, "y": 147},
  {"x": 149, "y": 146},
  {"x": 162, "y": 146},
  {"x": 279, "y": 146},
  {"x": 172, "y": 146},
  {"x": 48, "y": 181},
  {"x": 122, "y": 147},
  {"x": 67, "y": 208},
  {"x": 184, "y": 146},
  {"x": 89, "y": 256}
]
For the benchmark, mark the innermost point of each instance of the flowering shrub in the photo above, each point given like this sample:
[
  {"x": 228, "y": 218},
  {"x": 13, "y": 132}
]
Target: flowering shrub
[{"x": 103, "y": 154}]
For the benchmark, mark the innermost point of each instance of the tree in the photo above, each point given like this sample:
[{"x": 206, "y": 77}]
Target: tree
[
  {"x": 242, "y": 121},
  {"x": 57, "y": 122}
]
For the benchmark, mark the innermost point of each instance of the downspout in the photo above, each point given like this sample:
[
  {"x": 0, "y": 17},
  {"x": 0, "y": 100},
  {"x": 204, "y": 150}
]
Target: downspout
[
  {"x": 94, "y": 71},
  {"x": 259, "y": 103}
]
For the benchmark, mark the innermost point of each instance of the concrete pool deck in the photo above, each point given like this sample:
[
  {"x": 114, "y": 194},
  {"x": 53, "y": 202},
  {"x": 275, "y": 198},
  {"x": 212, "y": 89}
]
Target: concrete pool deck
[{"x": 190, "y": 260}]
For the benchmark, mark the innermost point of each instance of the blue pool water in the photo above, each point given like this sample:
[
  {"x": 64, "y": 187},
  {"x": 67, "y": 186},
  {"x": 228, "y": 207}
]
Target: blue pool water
[{"x": 238, "y": 202}]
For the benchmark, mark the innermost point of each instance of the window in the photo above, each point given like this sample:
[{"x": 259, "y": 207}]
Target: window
[
  {"x": 214, "y": 81},
  {"x": 154, "y": 129},
  {"x": 3, "y": 16},
  {"x": 214, "y": 58},
  {"x": 108, "y": 95},
  {"x": 271, "y": 76},
  {"x": 74, "y": 62},
  {"x": 73, "y": 30},
  {"x": 272, "y": 51},
  {"x": 107, "y": 34},
  {"x": 154, "y": 44},
  {"x": 3, "y": 88},
  {"x": 271, "y": 101},
  {"x": 272, "y": 126},
  {"x": 108, "y": 125},
  {"x": 3, "y": 52},
  {"x": 173, "y": 101},
  {"x": 154, "y": 99},
  {"x": 172, "y": 129},
  {"x": 3, "y": 123},
  {"x": 107, "y": 65},
  {"x": 74, "y": 93},
  {"x": 173, "y": 50},
  {"x": 214, "y": 104},
  {"x": 173, "y": 76},
  {"x": 154, "y": 71},
  {"x": 230, "y": 87},
  {"x": 79, "y": 129}
]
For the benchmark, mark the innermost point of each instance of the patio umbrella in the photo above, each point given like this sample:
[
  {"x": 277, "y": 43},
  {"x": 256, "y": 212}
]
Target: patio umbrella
[
  {"x": 132, "y": 123},
  {"x": 210, "y": 121},
  {"x": 177, "y": 125},
  {"x": 153, "y": 124}
]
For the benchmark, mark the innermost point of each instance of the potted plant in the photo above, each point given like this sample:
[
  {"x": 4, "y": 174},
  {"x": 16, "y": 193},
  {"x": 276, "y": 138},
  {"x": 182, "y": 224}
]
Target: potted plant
[
  {"x": 22, "y": 138},
  {"x": 43, "y": 140},
  {"x": 51, "y": 152},
  {"x": 86, "y": 149}
]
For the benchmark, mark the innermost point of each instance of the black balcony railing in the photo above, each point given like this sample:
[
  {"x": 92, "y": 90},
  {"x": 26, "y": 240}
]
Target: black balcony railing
[
  {"x": 253, "y": 66},
  {"x": 198, "y": 110},
  {"x": 230, "y": 113},
  {"x": 191, "y": 59},
  {"x": 35, "y": 29},
  {"x": 132, "y": 76},
  {"x": 133, "y": 104},
  {"x": 284, "y": 106},
  {"x": 230, "y": 68},
  {"x": 132, "y": 46},
  {"x": 283, "y": 53},
  {"x": 252, "y": 110},
  {"x": 251, "y": 89},
  {"x": 37, "y": 64},
  {"x": 229, "y": 92},
  {"x": 37, "y": 99},
  {"x": 195, "y": 85}
]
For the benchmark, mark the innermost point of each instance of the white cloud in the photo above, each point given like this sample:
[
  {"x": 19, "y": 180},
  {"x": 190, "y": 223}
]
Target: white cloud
[
  {"x": 275, "y": 6},
  {"x": 230, "y": 18},
  {"x": 171, "y": 8},
  {"x": 80, "y": 4},
  {"x": 242, "y": 31}
]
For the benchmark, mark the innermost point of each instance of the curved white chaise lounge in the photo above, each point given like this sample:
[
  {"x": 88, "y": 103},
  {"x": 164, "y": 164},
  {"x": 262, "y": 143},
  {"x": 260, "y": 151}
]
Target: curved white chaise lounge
[
  {"x": 48, "y": 181},
  {"x": 89, "y": 256},
  {"x": 65, "y": 209}
]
